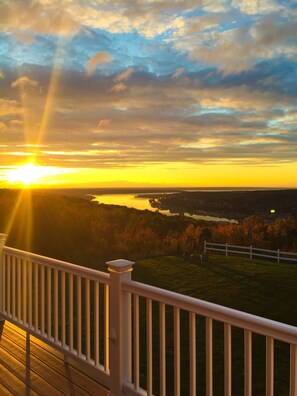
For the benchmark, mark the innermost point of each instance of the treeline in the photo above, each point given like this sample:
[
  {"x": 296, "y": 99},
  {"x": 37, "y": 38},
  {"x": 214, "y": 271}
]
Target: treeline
[
  {"x": 231, "y": 204},
  {"x": 83, "y": 232}
]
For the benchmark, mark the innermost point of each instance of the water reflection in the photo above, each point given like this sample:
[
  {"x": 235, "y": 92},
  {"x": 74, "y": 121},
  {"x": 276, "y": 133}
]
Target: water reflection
[{"x": 136, "y": 202}]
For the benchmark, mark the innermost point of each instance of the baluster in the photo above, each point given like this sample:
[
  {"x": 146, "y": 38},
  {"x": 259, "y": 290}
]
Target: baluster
[
  {"x": 209, "y": 358},
  {"x": 36, "y": 270},
  {"x": 269, "y": 366},
  {"x": 4, "y": 282},
  {"x": 2, "y": 265},
  {"x": 176, "y": 351},
  {"x": 56, "y": 307},
  {"x": 24, "y": 292},
  {"x": 162, "y": 350},
  {"x": 63, "y": 308},
  {"x": 49, "y": 302},
  {"x": 293, "y": 370},
  {"x": 136, "y": 341},
  {"x": 106, "y": 330},
  {"x": 247, "y": 363},
  {"x": 96, "y": 323},
  {"x": 42, "y": 300},
  {"x": 8, "y": 269},
  {"x": 228, "y": 359},
  {"x": 192, "y": 327},
  {"x": 13, "y": 287},
  {"x": 29, "y": 266},
  {"x": 149, "y": 344},
  {"x": 88, "y": 320},
  {"x": 78, "y": 294},
  {"x": 19, "y": 287},
  {"x": 70, "y": 312}
]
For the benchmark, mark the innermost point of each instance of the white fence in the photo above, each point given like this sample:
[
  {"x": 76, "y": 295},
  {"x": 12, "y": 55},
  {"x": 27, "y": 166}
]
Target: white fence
[
  {"x": 250, "y": 251},
  {"x": 120, "y": 328}
]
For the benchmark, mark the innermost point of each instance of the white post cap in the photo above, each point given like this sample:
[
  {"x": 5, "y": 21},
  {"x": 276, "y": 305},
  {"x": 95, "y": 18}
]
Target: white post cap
[{"x": 120, "y": 266}]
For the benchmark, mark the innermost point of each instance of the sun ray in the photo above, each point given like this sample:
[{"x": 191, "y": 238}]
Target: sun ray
[{"x": 20, "y": 222}]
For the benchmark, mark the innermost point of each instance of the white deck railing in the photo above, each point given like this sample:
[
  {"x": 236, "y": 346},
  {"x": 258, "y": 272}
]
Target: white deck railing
[
  {"x": 59, "y": 302},
  {"x": 250, "y": 251},
  {"x": 121, "y": 327}
]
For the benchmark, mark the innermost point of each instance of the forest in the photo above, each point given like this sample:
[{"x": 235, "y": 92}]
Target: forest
[
  {"x": 87, "y": 233},
  {"x": 231, "y": 204}
]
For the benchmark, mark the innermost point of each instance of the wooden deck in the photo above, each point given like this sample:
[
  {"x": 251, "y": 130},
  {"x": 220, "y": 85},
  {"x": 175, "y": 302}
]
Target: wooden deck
[{"x": 31, "y": 367}]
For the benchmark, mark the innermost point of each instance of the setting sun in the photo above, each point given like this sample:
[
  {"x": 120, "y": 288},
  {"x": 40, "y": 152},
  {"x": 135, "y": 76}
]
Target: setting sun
[
  {"x": 31, "y": 174},
  {"x": 26, "y": 174}
]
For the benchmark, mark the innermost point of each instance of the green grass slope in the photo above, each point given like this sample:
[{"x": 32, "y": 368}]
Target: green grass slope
[{"x": 259, "y": 287}]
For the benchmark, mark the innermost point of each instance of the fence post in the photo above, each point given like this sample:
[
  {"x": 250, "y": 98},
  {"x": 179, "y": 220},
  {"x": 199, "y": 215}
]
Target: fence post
[
  {"x": 2, "y": 244},
  {"x": 204, "y": 249},
  {"x": 226, "y": 249},
  {"x": 278, "y": 256},
  {"x": 120, "y": 345},
  {"x": 251, "y": 252}
]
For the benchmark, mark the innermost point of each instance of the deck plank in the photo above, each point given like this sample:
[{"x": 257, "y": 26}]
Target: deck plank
[
  {"x": 55, "y": 360},
  {"x": 29, "y": 365}
]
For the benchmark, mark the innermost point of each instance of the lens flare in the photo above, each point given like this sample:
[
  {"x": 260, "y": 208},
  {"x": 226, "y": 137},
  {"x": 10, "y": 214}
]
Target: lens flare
[{"x": 31, "y": 174}]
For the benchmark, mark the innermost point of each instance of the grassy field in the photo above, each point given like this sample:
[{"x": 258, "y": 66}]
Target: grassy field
[{"x": 259, "y": 287}]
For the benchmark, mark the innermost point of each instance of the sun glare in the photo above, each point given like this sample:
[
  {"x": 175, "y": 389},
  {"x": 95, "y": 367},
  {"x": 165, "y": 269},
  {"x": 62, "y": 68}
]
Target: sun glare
[{"x": 31, "y": 174}]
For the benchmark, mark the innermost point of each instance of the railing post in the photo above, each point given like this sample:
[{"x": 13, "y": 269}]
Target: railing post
[
  {"x": 2, "y": 244},
  {"x": 251, "y": 252},
  {"x": 226, "y": 249},
  {"x": 120, "y": 345},
  {"x": 278, "y": 256},
  {"x": 204, "y": 249}
]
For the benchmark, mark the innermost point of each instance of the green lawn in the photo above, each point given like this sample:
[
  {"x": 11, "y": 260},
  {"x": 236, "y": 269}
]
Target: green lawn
[{"x": 259, "y": 287}]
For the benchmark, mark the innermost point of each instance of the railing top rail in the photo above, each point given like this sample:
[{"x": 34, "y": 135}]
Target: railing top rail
[
  {"x": 217, "y": 244},
  {"x": 289, "y": 253},
  {"x": 223, "y": 245},
  {"x": 240, "y": 247},
  {"x": 266, "y": 250},
  {"x": 75, "y": 269},
  {"x": 256, "y": 324}
]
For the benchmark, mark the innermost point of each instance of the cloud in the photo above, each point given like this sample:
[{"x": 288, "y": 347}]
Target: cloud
[
  {"x": 178, "y": 72},
  {"x": 236, "y": 50},
  {"x": 24, "y": 82},
  {"x": 198, "y": 118},
  {"x": 124, "y": 75},
  {"x": 9, "y": 107},
  {"x": 24, "y": 18},
  {"x": 256, "y": 6},
  {"x": 16, "y": 123},
  {"x": 103, "y": 123},
  {"x": 97, "y": 59},
  {"x": 118, "y": 88}
]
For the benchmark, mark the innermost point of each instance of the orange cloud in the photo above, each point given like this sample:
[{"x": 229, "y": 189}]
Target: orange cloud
[
  {"x": 124, "y": 75},
  {"x": 24, "y": 82},
  {"x": 97, "y": 59}
]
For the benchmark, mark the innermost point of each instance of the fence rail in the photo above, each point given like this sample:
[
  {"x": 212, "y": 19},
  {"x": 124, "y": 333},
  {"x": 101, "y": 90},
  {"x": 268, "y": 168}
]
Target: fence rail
[
  {"x": 250, "y": 251},
  {"x": 140, "y": 339}
]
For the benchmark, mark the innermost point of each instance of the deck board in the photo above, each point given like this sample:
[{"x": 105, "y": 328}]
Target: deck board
[{"x": 29, "y": 366}]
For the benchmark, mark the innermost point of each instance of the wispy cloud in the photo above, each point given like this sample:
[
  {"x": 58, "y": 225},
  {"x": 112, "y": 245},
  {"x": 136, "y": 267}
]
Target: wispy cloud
[{"x": 97, "y": 59}]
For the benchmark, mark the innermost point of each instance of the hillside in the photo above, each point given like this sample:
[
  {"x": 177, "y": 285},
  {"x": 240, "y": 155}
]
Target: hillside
[
  {"x": 231, "y": 204},
  {"x": 258, "y": 287}
]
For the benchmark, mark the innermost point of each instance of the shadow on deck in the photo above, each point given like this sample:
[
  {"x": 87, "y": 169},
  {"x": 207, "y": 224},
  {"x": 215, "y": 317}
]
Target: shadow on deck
[{"x": 28, "y": 366}]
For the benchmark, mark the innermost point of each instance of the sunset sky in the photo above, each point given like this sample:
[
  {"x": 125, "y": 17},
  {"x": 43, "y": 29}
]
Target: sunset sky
[{"x": 159, "y": 93}]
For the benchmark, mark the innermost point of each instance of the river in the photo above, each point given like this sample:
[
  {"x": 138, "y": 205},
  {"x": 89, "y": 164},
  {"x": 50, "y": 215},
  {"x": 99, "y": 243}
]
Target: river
[{"x": 136, "y": 202}]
